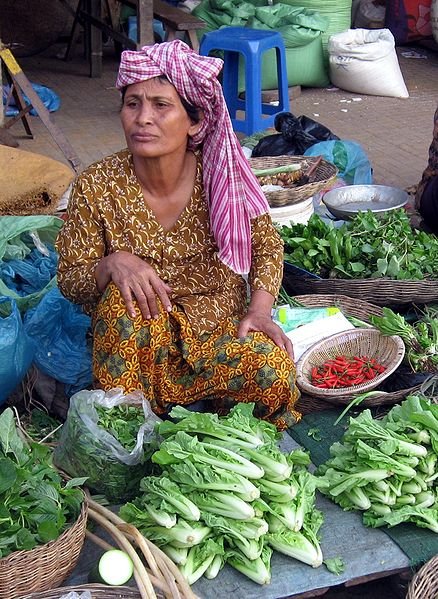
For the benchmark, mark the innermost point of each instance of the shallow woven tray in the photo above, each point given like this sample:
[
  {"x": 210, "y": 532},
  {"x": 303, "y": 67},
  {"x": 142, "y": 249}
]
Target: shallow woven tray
[
  {"x": 383, "y": 292},
  {"x": 359, "y": 309},
  {"x": 98, "y": 591},
  {"x": 44, "y": 567},
  {"x": 388, "y": 351},
  {"x": 424, "y": 584},
  {"x": 324, "y": 174}
]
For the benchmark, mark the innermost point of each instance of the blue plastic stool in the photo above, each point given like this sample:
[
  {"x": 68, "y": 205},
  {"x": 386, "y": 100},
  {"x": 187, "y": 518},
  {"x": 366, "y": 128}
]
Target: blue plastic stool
[{"x": 251, "y": 43}]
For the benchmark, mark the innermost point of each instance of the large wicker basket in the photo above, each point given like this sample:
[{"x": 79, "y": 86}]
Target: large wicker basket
[
  {"x": 97, "y": 591},
  {"x": 321, "y": 178},
  {"x": 46, "y": 566},
  {"x": 388, "y": 351},
  {"x": 383, "y": 292},
  {"x": 424, "y": 584}
]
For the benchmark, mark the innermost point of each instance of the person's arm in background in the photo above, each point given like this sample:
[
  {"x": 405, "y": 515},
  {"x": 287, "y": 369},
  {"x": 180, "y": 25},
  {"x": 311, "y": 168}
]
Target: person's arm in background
[
  {"x": 80, "y": 245},
  {"x": 264, "y": 281},
  {"x": 432, "y": 166}
]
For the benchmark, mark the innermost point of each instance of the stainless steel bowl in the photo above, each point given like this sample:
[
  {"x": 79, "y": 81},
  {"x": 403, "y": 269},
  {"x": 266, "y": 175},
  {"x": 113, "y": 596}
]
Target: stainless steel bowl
[{"x": 346, "y": 202}]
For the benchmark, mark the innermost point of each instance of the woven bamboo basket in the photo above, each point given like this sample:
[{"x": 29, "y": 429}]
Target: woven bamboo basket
[
  {"x": 46, "y": 566},
  {"x": 362, "y": 310},
  {"x": 97, "y": 591},
  {"x": 424, "y": 584},
  {"x": 324, "y": 174},
  {"x": 388, "y": 351},
  {"x": 383, "y": 292}
]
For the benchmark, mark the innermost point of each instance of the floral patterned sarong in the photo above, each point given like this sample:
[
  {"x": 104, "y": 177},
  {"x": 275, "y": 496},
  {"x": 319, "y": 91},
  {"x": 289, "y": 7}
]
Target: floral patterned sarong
[{"x": 163, "y": 358}]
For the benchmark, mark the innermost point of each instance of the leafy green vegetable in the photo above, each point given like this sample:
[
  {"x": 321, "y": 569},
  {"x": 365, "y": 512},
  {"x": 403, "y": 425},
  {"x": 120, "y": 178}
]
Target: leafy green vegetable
[
  {"x": 368, "y": 246},
  {"x": 335, "y": 565},
  {"x": 35, "y": 504}
]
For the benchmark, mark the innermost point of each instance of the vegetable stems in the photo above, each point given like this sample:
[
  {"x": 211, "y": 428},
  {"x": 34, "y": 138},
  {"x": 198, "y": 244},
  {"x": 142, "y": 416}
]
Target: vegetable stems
[{"x": 161, "y": 566}]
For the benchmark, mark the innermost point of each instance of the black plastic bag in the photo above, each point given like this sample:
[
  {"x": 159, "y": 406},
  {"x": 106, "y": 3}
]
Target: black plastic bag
[{"x": 296, "y": 135}]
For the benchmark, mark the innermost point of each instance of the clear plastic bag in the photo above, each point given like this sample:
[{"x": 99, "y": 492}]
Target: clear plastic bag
[{"x": 87, "y": 449}]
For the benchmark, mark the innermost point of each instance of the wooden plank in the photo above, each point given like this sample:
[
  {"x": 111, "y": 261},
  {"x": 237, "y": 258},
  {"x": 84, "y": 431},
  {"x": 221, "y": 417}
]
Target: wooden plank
[
  {"x": 21, "y": 81},
  {"x": 174, "y": 17}
]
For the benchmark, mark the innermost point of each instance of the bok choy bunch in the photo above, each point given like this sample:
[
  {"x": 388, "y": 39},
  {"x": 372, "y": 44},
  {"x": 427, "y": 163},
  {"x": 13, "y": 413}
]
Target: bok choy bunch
[
  {"x": 387, "y": 468},
  {"x": 227, "y": 494}
]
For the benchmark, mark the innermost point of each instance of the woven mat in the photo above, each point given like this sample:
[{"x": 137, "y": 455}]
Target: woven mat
[{"x": 419, "y": 544}]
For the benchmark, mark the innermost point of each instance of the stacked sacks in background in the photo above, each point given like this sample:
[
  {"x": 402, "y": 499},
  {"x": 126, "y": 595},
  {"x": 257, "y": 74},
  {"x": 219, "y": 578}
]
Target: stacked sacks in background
[
  {"x": 337, "y": 12},
  {"x": 300, "y": 28}
]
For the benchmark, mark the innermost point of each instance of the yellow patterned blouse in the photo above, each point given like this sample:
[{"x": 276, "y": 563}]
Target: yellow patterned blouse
[{"x": 107, "y": 213}]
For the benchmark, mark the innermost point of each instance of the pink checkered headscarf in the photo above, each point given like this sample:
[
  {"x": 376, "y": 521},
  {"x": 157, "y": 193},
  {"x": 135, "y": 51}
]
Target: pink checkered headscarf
[{"x": 233, "y": 192}]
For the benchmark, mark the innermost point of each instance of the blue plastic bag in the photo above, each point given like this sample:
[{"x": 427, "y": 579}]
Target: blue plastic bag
[
  {"x": 349, "y": 157},
  {"x": 17, "y": 350},
  {"x": 60, "y": 329},
  {"x": 28, "y": 259},
  {"x": 49, "y": 98}
]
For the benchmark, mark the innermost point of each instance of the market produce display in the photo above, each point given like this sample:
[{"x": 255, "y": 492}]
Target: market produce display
[
  {"x": 36, "y": 504},
  {"x": 227, "y": 494},
  {"x": 368, "y": 246},
  {"x": 387, "y": 468}
]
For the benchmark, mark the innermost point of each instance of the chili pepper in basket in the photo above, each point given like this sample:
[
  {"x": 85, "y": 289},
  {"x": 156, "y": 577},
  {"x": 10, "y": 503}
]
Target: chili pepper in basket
[{"x": 343, "y": 371}]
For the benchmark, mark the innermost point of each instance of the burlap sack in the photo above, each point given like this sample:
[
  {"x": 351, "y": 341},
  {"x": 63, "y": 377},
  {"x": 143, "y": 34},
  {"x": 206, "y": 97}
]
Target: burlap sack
[{"x": 31, "y": 183}]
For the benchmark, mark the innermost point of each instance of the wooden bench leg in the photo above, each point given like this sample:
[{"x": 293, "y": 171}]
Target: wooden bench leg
[
  {"x": 170, "y": 34},
  {"x": 194, "y": 42}
]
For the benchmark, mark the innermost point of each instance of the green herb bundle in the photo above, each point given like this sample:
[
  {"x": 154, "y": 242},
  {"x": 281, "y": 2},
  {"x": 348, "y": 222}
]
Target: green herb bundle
[
  {"x": 365, "y": 247},
  {"x": 35, "y": 504},
  {"x": 420, "y": 338}
]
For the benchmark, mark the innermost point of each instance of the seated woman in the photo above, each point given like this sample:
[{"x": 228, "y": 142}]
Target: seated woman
[
  {"x": 157, "y": 240},
  {"x": 426, "y": 199}
]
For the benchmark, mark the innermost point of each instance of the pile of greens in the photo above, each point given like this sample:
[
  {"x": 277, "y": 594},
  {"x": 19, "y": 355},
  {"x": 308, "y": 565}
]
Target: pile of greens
[
  {"x": 122, "y": 422},
  {"x": 365, "y": 247},
  {"x": 247, "y": 498},
  {"x": 35, "y": 504},
  {"x": 420, "y": 338},
  {"x": 109, "y": 445},
  {"x": 387, "y": 468}
]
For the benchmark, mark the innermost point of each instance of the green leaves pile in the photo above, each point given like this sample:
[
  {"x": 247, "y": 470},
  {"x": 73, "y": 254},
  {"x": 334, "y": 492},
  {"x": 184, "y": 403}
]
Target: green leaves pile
[
  {"x": 365, "y": 247},
  {"x": 227, "y": 494},
  {"x": 122, "y": 422},
  {"x": 35, "y": 505},
  {"x": 105, "y": 444},
  {"x": 387, "y": 468},
  {"x": 420, "y": 338}
]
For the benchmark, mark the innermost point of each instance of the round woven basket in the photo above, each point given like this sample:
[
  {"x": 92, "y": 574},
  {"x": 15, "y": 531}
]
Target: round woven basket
[
  {"x": 46, "y": 566},
  {"x": 424, "y": 584},
  {"x": 97, "y": 591},
  {"x": 388, "y": 351},
  {"x": 324, "y": 174},
  {"x": 362, "y": 310}
]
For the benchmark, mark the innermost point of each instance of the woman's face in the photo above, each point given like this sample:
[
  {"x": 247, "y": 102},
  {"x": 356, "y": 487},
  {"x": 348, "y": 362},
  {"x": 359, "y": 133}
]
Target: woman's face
[{"x": 154, "y": 120}]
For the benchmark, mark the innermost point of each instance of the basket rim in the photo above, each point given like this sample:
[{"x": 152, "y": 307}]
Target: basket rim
[
  {"x": 117, "y": 592},
  {"x": 305, "y": 386},
  {"x": 285, "y": 197}
]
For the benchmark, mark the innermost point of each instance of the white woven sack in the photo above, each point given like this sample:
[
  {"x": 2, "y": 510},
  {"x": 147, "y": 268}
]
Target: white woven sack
[{"x": 364, "y": 61}]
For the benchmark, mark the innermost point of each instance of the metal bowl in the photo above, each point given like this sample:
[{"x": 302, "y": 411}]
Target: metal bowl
[{"x": 346, "y": 202}]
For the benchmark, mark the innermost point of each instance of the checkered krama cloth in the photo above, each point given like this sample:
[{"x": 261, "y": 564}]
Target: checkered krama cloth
[{"x": 233, "y": 192}]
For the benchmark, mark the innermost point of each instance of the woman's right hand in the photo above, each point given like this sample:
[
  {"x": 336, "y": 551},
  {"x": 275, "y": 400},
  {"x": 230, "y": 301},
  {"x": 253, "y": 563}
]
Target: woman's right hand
[{"x": 136, "y": 280}]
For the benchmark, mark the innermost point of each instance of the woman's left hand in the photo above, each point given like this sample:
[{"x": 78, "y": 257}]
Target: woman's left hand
[{"x": 259, "y": 322}]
